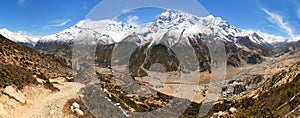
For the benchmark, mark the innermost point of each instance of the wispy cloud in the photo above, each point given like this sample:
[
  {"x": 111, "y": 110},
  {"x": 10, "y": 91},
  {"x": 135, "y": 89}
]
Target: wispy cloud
[
  {"x": 132, "y": 20},
  {"x": 56, "y": 23},
  {"x": 85, "y": 5},
  {"x": 277, "y": 20},
  {"x": 59, "y": 23},
  {"x": 127, "y": 10},
  {"x": 21, "y": 2},
  {"x": 298, "y": 13}
]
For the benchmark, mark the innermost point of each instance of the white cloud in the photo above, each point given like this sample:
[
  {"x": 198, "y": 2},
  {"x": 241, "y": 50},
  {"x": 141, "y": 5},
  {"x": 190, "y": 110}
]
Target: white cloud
[
  {"x": 56, "y": 23},
  {"x": 132, "y": 20},
  {"x": 21, "y": 2},
  {"x": 277, "y": 20},
  {"x": 61, "y": 24}
]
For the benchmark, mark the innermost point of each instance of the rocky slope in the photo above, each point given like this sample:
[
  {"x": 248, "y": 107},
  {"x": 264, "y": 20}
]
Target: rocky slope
[
  {"x": 34, "y": 62},
  {"x": 285, "y": 47},
  {"x": 33, "y": 84},
  {"x": 270, "y": 98}
]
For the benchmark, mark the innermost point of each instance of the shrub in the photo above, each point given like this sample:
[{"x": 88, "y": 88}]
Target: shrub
[{"x": 13, "y": 75}]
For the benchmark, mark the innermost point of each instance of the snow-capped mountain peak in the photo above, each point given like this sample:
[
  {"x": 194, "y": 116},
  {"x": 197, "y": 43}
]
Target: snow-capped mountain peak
[
  {"x": 265, "y": 37},
  {"x": 178, "y": 20},
  {"x": 171, "y": 18},
  {"x": 18, "y": 37},
  {"x": 175, "y": 19},
  {"x": 104, "y": 31},
  {"x": 169, "y": 21}
]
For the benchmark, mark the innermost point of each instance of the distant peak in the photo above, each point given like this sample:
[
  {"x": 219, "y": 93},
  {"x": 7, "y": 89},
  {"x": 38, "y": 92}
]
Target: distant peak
[
  {"x": 169, "y": 15},
  {"x": 4, "y": 30}
]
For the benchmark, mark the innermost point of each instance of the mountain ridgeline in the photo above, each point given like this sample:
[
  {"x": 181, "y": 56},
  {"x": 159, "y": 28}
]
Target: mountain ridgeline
[{"x": 155, "y": 42}]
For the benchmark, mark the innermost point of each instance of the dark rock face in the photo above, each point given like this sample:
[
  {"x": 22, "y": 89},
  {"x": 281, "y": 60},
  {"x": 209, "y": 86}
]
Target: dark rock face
[
  {"x": 103, "y": 55},
  {"x": 255, "y": 59},
  {"x": 156, "y": 54},
  {"x": 243, "y": 83},
  {"x": 239, "y": 89},
  {"x": 263, "y": 49},
  {"x": 255, "y": 80},
  {"x": 141, "y": 57},
  {"x": 55, "y": 47},
  {"x": 286, "y": 47}
]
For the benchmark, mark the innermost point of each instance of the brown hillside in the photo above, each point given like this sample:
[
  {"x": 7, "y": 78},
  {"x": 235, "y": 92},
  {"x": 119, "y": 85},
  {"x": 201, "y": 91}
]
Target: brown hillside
[{"x": 31, "y": 60}]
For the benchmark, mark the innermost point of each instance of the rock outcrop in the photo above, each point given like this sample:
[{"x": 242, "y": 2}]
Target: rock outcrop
[
  {"x": 12, "y": 92},
  {"x": 243, "y": 84},
  {"x": 76, "y": 109}
]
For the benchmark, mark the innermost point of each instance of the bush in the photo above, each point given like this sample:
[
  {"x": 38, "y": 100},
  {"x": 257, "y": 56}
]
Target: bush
[{"x": 13, "y": 75}]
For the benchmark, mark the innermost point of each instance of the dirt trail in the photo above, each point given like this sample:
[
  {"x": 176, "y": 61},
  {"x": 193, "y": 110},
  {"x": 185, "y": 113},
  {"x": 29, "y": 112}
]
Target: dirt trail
[
  {"x": 51, "y": 105},
  {"x": 41, "y": 103}
]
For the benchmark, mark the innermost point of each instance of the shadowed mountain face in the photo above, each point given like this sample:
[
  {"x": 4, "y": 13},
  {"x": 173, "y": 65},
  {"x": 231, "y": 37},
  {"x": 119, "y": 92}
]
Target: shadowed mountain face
[
  {"x": 160, "y": 53},
  {"x": 143, "y": 56},
  {"x": 30, "y": 60}
]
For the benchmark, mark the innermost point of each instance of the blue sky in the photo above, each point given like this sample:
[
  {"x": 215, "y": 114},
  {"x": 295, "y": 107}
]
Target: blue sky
[
  {"x": 278, "y": 17},
  {"x": 44, "y": 17}
]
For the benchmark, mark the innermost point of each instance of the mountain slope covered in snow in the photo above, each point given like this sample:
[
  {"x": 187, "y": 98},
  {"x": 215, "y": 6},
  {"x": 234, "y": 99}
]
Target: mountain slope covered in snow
[
  {"x": 104, "y": 31},
  {"x": 19, "y": 38},
  {"x": 110, "y": 31}
]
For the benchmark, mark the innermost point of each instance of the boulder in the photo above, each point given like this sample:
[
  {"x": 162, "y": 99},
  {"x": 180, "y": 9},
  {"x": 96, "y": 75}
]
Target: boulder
[
  {"x": 72, "y": 108},
  {"x": 233, "y": 110},
  {"x": 12, "y": 92},
  {"x": 79, "y": 112},
  {"x": 220, "y": 114},
  {"x": 76, "y": 105}
]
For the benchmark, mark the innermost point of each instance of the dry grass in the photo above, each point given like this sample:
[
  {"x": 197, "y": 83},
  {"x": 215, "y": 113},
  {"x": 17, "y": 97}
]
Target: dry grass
[{"x": 205, "y": 78}]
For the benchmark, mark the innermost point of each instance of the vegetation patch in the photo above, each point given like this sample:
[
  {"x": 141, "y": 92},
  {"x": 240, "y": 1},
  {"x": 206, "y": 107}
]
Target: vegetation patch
[{"x": 14, "y": 75}]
